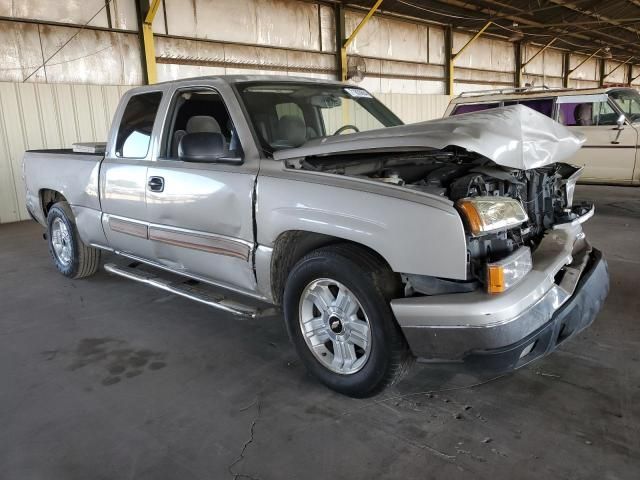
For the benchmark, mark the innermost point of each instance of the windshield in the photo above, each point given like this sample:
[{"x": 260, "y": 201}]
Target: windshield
[
  {"x": 287, "y": 114},
  {"x": 629, "y": 102}
]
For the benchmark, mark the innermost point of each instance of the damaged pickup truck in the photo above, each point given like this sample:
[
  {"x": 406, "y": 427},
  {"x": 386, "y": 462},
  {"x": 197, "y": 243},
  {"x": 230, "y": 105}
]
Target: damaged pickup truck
[{"x": 455, "y": 240}]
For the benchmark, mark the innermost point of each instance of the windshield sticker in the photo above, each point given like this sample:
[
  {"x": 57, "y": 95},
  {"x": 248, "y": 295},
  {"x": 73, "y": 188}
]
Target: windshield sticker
[{"x": 358, "y": 93}]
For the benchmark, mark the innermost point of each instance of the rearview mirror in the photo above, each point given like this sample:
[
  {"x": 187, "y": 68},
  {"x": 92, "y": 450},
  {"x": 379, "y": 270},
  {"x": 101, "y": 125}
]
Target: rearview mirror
[
  {"x": 325, "y": 101},
  {"x": 201, "y": 147},
  {"x": 620, "y": 121}
]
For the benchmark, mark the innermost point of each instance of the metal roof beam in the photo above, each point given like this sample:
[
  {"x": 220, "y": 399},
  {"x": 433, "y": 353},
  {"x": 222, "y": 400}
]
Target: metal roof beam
[{"x": 611, "y": 21}]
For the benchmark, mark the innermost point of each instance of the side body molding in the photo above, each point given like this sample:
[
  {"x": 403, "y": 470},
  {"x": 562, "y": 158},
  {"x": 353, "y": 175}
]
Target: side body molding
[{"x": 412, "y": 237}]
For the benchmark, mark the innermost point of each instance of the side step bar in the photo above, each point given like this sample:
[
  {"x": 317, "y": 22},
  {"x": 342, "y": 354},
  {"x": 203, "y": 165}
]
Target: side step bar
[{"x": 184, "y": 290}]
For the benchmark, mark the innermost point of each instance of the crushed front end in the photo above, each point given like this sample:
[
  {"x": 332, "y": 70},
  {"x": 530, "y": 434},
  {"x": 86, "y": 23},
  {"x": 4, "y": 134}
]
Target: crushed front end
[{"x": 533, "y": 278}]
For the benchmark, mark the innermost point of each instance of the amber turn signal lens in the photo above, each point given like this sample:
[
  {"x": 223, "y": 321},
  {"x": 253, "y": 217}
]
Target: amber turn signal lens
[
  {"x": 472, "y": 216},
  {"x": 495, "y": 279}
]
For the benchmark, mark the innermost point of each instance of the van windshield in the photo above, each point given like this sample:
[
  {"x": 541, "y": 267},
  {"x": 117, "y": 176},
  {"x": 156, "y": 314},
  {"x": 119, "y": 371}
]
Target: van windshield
[{"x": 629, "y": 102}]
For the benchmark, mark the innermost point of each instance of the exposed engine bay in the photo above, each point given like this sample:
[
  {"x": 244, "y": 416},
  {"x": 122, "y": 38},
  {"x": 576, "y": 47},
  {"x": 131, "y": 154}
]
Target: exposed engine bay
[{"x": 546, "y": 193}]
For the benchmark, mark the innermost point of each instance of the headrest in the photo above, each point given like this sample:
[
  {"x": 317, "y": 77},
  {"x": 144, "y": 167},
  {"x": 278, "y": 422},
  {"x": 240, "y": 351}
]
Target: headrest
[
  {"x": 293, "y": 130},
  {"x": 203, "y": 124}
]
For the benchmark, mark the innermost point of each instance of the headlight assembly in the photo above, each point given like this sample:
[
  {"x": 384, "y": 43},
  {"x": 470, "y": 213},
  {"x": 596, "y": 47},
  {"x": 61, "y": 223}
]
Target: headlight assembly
[{"x": 490, "y": 214}]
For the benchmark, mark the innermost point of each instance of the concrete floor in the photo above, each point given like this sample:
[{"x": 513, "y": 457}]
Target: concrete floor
[{"x": 106, "y": 379}]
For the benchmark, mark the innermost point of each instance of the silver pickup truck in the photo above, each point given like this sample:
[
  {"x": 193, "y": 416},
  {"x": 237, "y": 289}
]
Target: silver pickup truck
[{"x": 454, "y": 240}]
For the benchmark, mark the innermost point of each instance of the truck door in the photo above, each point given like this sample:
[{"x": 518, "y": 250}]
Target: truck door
[
  {"x": 608, "y": 156},
  {"x": 123, "y": 174},
  {"x": 200, "y": 214}
]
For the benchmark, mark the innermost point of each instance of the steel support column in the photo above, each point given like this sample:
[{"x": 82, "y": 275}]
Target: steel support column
[
  {"x": 517, "y": 49},
  {"x": 602, "y": 73},
  {"x": 566, "y": 66},
  {"x": 344, "y": 44},
  {"x": 448, "y": 69},
  {"x": 338, "y": 12},
  {"x": 148, "y": 10}
]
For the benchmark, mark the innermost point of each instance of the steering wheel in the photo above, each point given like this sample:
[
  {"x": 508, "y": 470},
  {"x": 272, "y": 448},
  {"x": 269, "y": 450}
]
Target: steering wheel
[{"x": 346, "y": 127}]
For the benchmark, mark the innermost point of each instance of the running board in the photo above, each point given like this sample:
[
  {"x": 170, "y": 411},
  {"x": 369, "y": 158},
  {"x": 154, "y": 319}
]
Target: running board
[{"x": 184, "y": 290}]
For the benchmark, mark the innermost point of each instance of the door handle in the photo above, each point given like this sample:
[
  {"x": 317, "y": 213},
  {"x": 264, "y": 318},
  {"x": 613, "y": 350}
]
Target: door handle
[{"x": 156, "y": 184}]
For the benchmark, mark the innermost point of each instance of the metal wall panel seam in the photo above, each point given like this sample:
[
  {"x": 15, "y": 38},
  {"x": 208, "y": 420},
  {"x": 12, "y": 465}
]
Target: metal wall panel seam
[{"x": 13, "y": 215}]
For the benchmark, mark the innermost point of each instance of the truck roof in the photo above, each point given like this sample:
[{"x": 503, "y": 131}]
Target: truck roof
[{"x": 231, "y": 79}]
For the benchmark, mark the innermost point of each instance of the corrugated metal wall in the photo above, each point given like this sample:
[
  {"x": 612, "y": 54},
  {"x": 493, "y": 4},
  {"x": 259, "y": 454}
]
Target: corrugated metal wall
[
  {"x": 291, "y": 37},
  {"x": 36, "y": 115}
]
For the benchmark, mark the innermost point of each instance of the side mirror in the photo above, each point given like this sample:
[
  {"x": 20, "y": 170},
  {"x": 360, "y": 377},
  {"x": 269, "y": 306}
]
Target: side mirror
[
  {"x": 201, "y": 147},
  {"x": 620, "y": 122}
]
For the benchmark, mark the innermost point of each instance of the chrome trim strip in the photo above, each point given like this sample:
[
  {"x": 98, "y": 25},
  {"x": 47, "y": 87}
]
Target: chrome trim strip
[
  {"x": 101, "y": 247},
  {"x": 200, "y": 241},
  {"x": 182, "y": 237},
  {"x": 127, "y": 226}
]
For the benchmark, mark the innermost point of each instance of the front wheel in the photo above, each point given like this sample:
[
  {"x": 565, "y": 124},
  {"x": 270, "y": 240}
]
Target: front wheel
[
  {"x": 70, "y": 255},
  {"x": 336, "y": 306}
]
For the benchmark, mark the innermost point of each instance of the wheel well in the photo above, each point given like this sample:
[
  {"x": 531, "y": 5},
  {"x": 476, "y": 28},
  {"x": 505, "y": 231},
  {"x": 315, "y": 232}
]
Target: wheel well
[
  {"x": 48, "y": 198},
  {"x": 291, "y": 246}
]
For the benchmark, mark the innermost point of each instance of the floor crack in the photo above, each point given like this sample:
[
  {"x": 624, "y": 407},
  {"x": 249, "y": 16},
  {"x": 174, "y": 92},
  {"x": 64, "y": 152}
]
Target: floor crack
[{"x": 239, "y": 458}]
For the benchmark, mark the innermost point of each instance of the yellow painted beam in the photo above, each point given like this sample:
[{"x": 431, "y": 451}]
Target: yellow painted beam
[
  {"x": 616, "y": 68},
  {"x": 539, "y": 52},
  {"x": 147, "y": 38},
  {"x": 343, "y": 48},
  {"x": 583, "y": 62},
  {"x": 454, "y": 56}
]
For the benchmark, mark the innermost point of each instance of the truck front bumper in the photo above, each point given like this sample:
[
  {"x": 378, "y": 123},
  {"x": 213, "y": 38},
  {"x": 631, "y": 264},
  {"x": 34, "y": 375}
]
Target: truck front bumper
[{"x": 561, "y": 295}]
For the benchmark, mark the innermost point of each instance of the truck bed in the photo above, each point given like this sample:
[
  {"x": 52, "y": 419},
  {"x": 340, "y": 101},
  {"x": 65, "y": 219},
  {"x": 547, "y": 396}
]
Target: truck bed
[{"x": 72, "y": 174}]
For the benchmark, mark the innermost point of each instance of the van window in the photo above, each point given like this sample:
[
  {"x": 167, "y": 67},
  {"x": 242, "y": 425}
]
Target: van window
[
  {"x": 473, "y": 107},
  {"x": 134, "y": 133},
  {"x": 543, "y": 106},
  {"x": 629, "y": 102},
  {"x": 586, "y": 114}
]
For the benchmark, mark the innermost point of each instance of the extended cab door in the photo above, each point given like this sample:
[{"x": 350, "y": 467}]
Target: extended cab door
[
  {"x": 608, "y": 156},
  {"x": 123, "y": 173},
  {"x": 200, "y": 213}
]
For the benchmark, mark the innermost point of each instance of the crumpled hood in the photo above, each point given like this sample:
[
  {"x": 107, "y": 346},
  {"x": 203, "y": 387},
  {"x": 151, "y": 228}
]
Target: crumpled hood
[{"x": 514, "y": 136}]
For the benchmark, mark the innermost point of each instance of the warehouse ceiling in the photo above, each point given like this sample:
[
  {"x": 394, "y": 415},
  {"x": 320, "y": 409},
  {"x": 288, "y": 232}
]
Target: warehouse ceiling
[{"x": 581, "y": 26}]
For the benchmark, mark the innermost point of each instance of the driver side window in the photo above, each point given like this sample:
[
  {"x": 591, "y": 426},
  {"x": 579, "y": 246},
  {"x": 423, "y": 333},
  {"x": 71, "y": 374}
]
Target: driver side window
[{"x": 201, "y": 111}]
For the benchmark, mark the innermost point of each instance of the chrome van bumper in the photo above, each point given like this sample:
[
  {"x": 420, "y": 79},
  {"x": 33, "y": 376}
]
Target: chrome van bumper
[{"x": 560, "y": 296}]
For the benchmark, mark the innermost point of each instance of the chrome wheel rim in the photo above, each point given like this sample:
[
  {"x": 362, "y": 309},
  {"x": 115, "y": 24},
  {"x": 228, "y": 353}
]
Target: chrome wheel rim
[
  {"x": 61, "y": 241},
  {"x": 334, "y": 326}
]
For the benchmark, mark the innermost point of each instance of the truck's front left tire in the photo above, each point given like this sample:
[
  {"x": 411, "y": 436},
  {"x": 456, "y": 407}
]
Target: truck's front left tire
[
  {"x": 336, "y": 306},
  {"x": 70, "y": 255}
]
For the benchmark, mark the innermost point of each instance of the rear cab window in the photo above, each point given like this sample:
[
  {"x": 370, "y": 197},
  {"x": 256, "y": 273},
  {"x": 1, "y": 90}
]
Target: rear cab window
[{"x": 136, "y": 125}]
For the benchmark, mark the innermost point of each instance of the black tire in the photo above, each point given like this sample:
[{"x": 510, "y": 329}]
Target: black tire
[
  {"x": 84, "y": 260},
  {"x": 374, "y": 285}
]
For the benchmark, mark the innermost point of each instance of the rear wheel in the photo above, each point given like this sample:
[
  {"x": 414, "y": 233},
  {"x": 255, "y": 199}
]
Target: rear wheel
[
  {"x": 70, "y": 255},
  {"x": 337, "y": 311}
]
